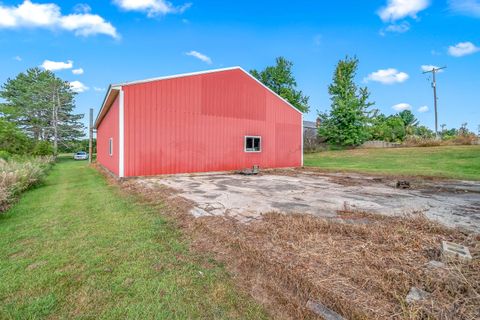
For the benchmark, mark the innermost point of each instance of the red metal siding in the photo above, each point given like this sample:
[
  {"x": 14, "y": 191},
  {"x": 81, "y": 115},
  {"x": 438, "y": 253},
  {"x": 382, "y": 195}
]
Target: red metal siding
[
  {"x": 107, "y": 129},
  {"x": 198, "y": 124}
]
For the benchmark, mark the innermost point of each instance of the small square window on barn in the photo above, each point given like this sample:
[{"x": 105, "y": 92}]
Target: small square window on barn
[
  {"x": 253, "y": 144},
  {"x": 110, "y": 146}
]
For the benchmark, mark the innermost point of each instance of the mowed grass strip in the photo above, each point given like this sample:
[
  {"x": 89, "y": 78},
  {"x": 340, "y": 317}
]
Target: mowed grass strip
[
  {"x": 75, "y": 248},
  {"x": 456, "y": 162}
]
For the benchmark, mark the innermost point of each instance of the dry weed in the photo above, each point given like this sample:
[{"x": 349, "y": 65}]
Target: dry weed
[{"x": 17, "y": 176}]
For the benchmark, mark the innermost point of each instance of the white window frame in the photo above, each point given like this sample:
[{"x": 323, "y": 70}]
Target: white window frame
[
  {"x": 245, "y": 144},
  {"x": 110, "y": 147}
]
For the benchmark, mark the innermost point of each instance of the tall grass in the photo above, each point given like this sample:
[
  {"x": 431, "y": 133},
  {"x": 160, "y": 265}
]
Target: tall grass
[
  {"x": 466, "y": 140},
  {"x": 17, "y": 175}
]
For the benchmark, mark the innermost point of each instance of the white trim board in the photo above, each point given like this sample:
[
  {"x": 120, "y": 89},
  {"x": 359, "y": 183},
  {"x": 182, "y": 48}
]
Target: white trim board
[
  {"x": 121, "y": 134},
  {"x": 302, "y": 141},
  {"x": 110, "y": 89}
]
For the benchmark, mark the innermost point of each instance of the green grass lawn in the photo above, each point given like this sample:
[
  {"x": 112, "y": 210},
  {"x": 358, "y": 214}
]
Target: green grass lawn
[
  {"x": 457, "y": 162},
  {"x": 75, "y": 248}
]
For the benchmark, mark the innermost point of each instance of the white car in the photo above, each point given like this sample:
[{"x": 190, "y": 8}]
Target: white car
[{"x": 81, "y": 155}]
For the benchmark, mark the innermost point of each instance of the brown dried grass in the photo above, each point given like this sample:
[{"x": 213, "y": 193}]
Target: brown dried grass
[
  {"x": 18, "y": 175},
  {"x": 360, "y": 265},
  {"x": 415, "y": 141}
]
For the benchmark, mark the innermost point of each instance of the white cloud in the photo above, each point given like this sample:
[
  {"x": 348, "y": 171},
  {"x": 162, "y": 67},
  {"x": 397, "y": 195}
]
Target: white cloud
[
  {"x": 98, "y": 89},
  {"x": 402, "y": 107},
  {"x": 399, "y": 9},
  {"x": 57, "y": 65},
  {"x": 387, "y": 76},
  {"x": 77, "y": 71},
  {"x": 151, "y": 7},
  {"x": 199, "y": 56},
  {"x": 18, "y": 58},
  {"x": 78, "y": 87},
  {"x": 82, "y": 8},
  {"x": 429, "y": 67},
  {"x": 85, "y": 24},
  {"x": 465, "y": 7},
  {"x": 48, "y": 15},
  {"x": 423, "y": 109},
  {"x": 402, "y": 27},
  {"x": 462, "y": 49}
]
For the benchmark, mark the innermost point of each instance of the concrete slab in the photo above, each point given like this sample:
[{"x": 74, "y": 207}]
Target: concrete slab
[{"x": 454, "y": 203}]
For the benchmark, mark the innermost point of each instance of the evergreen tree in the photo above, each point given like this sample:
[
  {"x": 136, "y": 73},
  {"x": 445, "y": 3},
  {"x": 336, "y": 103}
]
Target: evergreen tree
[{"x": 42, "y": 105}]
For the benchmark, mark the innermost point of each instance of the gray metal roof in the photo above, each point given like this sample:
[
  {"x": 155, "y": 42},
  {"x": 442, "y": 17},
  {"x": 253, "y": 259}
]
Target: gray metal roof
[{"x": 310, "y": 124}]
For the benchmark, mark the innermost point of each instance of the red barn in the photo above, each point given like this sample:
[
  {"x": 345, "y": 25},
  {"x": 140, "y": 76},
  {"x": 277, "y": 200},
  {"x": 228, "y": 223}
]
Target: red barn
[{"x": 216, "y": 120}]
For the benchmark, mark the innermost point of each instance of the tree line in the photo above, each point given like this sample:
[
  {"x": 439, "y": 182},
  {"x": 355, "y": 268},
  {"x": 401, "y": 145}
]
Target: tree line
[
  {"x": 37, "y": 116},
  {"x": 352, "y": 118}
]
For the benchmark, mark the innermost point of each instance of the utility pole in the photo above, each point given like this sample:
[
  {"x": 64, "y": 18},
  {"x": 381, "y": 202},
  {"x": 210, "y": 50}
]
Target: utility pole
[
  {"x": 434, "y": 86},
  {"x": 90, "y": 137}
]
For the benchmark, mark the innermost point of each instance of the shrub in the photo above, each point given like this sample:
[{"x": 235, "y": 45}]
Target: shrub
[
  {"x": 389, "y": 129},
  {"x": 466, "y": 139},
  {"x": 18, "y": 175},
  {"x": 5, "y": 155},
  {"x": 42, "y": 148},
  {"x": 416, "y": 141},
  {"x": 12, "y": 139}
]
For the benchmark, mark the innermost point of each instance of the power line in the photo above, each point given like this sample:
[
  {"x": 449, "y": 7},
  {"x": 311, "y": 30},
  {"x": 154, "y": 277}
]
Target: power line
[{"x": 434, "y": 86}]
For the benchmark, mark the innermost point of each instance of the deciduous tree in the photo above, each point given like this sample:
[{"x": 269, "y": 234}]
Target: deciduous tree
[
  {"x": 280, "y": 79},
  {"x": 347, "y": 121}
]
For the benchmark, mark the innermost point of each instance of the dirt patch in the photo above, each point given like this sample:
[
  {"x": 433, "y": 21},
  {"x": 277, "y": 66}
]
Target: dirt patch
[{"x": 357, "y": 264}]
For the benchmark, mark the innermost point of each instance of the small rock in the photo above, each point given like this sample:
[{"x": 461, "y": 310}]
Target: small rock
[
  {"x": 322, "y": 311},
  {"x": 433, "y": 264},
  {"x": 416, "y": 295},
  {"x": 198, "y": 212},
  {"x": 107, "y": 270}
]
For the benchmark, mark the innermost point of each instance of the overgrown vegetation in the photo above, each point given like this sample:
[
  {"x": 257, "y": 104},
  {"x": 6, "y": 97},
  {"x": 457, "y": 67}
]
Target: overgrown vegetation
[
  {"x": 76, "y": 248},
  {"x": 19, "y": 174},
  {"x": 456, "y": 162}
]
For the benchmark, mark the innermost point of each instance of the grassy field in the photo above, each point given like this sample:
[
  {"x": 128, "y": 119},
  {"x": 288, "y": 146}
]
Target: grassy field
[
  {"x": 75, "y": 248},
  {"x": 457, "y": 162}
]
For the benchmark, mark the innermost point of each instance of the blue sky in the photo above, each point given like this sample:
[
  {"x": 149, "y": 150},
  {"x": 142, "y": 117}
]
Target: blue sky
[{"x": 123, "y": 40}]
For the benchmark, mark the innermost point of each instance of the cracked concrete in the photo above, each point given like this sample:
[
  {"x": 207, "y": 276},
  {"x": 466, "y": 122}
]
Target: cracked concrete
[{"x": 454, "y": 203}]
